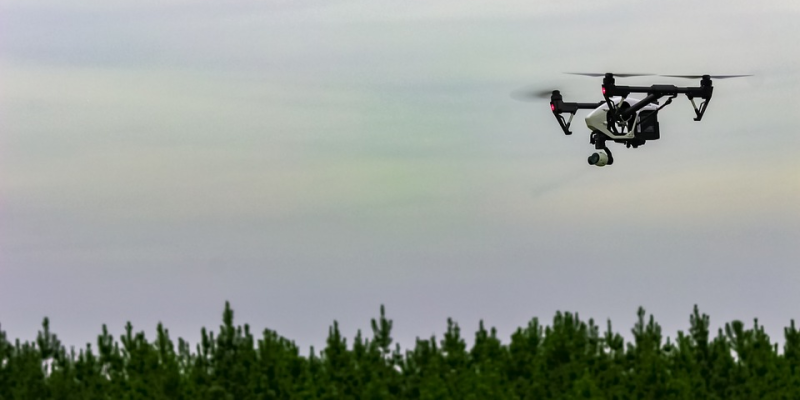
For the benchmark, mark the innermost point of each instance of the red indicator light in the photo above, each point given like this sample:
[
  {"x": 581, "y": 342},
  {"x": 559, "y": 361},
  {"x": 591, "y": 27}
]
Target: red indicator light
[
  {"x": 604, "y": 90},
  {"x": 552, "y": 107}
]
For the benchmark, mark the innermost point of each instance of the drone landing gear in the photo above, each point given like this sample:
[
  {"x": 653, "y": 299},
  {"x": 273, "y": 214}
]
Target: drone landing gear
[{"x": 701, "y": 109}]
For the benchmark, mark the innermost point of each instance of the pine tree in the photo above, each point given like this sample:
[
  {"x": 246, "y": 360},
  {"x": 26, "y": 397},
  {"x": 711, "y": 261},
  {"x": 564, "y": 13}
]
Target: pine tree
[
  {"x": 432, "y": 371},
  {"x": 280, "y": 369},
  {"x": 458, "y": 377},
  {"x": 567, "y": 351},
  {"x": 525, "y": 369},
  {"x": 340, "y": 381},
  {"x": 6, "y": 353},
  {"x": 648, "y": 379},
  {"x": 791, "y": 355},
  {"x": 233, "y": 359},
  {"x": 379, "y": 373},
  {"x": 487, "y": 360},
  {"x": 611, "y": 365}
]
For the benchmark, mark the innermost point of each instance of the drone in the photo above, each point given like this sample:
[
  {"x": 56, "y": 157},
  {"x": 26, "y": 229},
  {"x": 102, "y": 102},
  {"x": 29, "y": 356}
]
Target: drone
[{"x": 621, "y": 118}]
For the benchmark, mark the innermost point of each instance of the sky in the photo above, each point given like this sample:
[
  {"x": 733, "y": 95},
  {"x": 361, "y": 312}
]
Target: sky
[{"x": 311, "y": 160}]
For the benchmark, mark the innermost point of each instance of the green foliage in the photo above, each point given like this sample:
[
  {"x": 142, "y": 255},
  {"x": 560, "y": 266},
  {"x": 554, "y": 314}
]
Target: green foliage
[{"x": 569, "y": 359}]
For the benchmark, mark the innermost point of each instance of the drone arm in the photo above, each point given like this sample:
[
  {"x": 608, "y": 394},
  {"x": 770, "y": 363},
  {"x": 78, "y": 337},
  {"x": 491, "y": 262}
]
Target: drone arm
[
  {"x": 589, "y": 106},
  {"x": 641, "y": 104},
  {"x": 704, "y": 91},
  {"x": 559, "y": 108},
  {"x": 662, "y": 90}
]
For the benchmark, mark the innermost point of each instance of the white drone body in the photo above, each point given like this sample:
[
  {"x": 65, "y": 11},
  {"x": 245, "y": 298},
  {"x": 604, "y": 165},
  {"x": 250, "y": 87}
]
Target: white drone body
[
  {"x": 634, "y": 131},
  {"x": 597, "y": 120}
]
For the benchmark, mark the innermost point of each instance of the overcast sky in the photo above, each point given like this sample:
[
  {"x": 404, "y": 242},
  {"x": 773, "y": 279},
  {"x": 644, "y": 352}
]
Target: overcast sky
[{"x": 311, "y": 160}]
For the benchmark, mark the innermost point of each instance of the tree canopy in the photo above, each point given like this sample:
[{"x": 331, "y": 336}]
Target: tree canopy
[{"x": 567, "y": 359}]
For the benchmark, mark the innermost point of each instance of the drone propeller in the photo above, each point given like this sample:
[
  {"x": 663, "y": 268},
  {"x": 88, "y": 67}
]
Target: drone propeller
[
  {"x": 597, "y": 75},
  {"x": 531, "y": 94},
  {"x": 711, "y": 76}
]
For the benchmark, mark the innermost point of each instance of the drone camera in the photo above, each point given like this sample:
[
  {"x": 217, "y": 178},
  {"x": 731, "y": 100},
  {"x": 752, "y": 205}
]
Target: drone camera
[{"x": 599, "y": 158}]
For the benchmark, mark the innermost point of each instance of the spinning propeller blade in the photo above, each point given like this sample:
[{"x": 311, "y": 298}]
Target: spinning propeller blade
[
  {"x": 711, "y": 76},
  {"x": 531, "y": 94},
  {"x": 596, "y": 75}
]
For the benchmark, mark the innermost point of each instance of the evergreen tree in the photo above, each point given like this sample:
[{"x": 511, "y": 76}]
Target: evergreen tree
[
  {"x": 488, "y": 358},
  {"x": 5, "y": 360},
  {"x": 611, "y": 365},
  {"x": 525, "y": 369},
  {"x": 339, "y": 379},
  {"x": 791, "y": 356},
  {"x": 568, "y": 350},
  {"x": 569, "y": 359},
  {"x": 649, "y": 378}
]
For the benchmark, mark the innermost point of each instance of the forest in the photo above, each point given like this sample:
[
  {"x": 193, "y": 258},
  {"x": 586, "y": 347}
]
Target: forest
[{"x": 566, "y": 359}]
